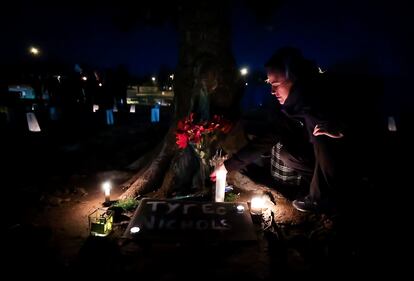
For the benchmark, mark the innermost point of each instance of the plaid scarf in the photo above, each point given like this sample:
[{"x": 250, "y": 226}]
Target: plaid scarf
[{"x": 279, "y": 171}]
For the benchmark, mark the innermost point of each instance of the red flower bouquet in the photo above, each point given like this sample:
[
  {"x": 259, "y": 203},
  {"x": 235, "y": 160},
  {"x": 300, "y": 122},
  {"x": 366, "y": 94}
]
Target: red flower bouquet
[{"x": 198, "y": 134}]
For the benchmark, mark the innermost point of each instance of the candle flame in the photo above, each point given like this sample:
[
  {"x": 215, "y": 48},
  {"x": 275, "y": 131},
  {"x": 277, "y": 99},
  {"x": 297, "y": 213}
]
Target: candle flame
[
  {"x": 135, "y": 229},
  {"x": 106, "y": 186},
  {"x": 257, "y": 202}
]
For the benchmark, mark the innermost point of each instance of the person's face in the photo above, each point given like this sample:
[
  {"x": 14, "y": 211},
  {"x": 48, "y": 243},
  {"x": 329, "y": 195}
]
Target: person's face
[{"x": 280, "y": 85}]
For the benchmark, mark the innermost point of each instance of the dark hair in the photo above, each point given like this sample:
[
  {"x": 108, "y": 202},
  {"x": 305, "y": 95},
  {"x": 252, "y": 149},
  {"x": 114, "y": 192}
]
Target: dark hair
[{"x": 290, "y": 61}]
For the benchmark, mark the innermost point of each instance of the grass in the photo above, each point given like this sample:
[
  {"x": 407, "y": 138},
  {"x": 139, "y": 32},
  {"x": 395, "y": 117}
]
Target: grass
[
  {"x": 231, "y": 197},
  {"x": 128, "y": 204}
]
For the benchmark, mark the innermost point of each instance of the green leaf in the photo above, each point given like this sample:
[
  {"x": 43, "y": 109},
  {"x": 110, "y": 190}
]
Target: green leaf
[{"x": 128, "y": 204}]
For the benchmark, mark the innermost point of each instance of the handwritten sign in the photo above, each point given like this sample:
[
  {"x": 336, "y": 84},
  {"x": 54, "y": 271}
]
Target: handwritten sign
[{"x": 174, "y": 220}]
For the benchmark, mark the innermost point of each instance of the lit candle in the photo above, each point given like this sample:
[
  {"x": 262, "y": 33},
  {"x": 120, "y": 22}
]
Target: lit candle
[
  {"x": 106, "y": 186},
  {"x": 240, "y": 208},
  {"x": 257, "y": 205},
  {"x": 135, "y": 229},
  {"x": 221, "y": 174}
]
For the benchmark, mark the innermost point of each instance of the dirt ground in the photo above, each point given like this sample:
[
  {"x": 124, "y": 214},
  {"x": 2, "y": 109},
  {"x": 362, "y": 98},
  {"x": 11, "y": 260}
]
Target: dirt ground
[
  {"x": 54, "y": 239},
  {"x": 48, "y": 233}
]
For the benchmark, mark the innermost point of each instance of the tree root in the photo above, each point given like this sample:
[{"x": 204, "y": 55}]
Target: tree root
[
  {"x": 283, "y": 211},
  {"x": 152, "y": 174}
]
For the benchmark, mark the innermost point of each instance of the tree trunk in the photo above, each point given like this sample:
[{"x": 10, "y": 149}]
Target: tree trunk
[
  {"x": 206, "y": 82},
  {"x": 205, "y": 55}
]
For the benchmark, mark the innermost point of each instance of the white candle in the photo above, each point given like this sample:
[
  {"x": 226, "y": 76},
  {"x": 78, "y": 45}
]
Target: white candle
[
  {"x": 257, "y": 205},
  {"x": 106, "y": 186},
  {"x": 221, "y": 174}
]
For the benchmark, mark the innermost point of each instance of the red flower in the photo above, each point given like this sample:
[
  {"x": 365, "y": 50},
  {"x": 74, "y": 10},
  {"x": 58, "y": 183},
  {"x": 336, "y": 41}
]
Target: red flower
[
  {"x": 188, "y": 132},
  {"x": 181, "y": 125},
  {"x": 182, "y": 140},
  {"x": 197, "y": 137}
]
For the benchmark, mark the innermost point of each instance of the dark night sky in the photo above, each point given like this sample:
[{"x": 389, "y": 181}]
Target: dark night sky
[
  {"x": 330, "y": 32},
  {"x": 78, "y": 34},
  {"x": 327, "y": 31}
]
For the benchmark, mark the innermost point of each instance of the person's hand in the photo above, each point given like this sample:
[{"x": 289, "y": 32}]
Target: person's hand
[
  {"x": 213, "y": 174},
  {"x": 323, "y": 129}
]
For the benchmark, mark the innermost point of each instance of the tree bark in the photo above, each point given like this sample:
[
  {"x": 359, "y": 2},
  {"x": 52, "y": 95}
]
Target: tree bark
[
  {"x": 151, "y": 174},
  {"x": 206, "y": 69},
  {"x": 282, "y": 209}
]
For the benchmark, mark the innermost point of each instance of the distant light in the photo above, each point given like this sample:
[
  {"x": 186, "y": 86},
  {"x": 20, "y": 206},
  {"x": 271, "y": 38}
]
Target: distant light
[
  {"x": 95, "y": 108},
  {"x": 34, "y": 51},
  {"x": 321, "y": 71},
  {"x": 240, "y": 208},
  {"x": 58, "y": 78},
  {"x": 244, "y": 71},
  {"x": 100, "y": 84},
  {"x": 170, "y": 88},
  {"x": 32, "y": 122},
  {"x": 153, "y": 79},
  {"x": 172, "y": 76},
  {"x": 135, "y": 229},
  {"x": 162, "y": 93},
  {"x": 84, "y": 78},
  {"x": 247, "y": 84}
]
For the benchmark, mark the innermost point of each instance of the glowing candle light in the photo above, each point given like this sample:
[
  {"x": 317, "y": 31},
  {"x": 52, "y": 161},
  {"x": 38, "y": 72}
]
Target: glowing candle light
[
  {"x": 135, "y": 229},
  {"x": 106, "y": 186},
  {"x": 257, "y": 205}
]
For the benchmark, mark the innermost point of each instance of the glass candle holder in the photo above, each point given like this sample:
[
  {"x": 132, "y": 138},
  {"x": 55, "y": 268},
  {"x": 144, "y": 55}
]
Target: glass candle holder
[{"x": 100, "y": 222}]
